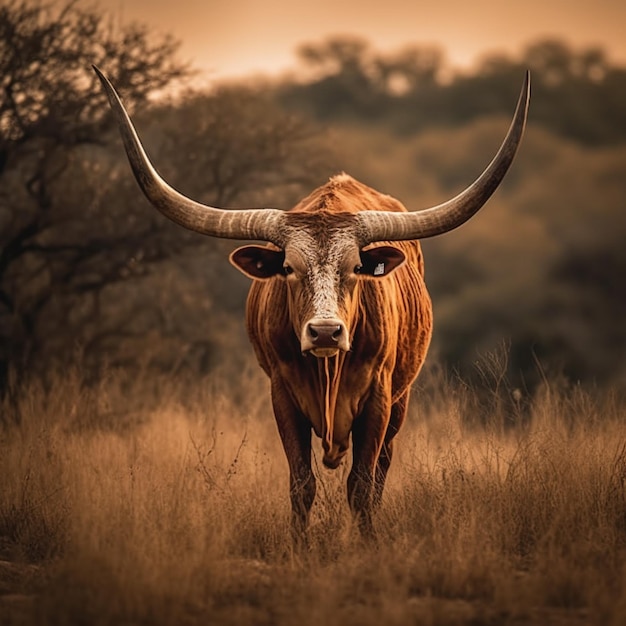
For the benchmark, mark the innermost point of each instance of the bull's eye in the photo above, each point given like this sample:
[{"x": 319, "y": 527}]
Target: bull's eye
[
  {"x": 357, "y": 269},
  {"x": 288, "y": 269}
]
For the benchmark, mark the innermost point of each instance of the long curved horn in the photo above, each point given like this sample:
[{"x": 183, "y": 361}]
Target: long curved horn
[
  {"x": 262, "y": 224},
  {"x": 392, "y": 226}
]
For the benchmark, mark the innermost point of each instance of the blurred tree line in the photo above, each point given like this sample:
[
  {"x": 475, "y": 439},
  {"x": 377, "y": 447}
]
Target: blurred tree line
[
  {"x": 578, "y": 94},
  {"x": 89, "y": 272}
]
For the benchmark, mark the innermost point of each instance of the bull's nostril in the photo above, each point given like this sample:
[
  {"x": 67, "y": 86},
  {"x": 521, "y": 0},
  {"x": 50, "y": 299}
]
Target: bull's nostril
[{"x": 323, "y": 333}]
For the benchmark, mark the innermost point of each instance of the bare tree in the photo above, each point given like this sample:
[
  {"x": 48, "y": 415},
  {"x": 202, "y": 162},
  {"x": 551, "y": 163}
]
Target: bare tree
[{"x": 50, "y": 113}]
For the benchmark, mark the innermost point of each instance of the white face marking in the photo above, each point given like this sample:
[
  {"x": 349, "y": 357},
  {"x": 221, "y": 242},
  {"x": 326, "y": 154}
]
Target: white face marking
[
  {"x": 323, "y": 267},
  {"x": 324, "y": 282}
]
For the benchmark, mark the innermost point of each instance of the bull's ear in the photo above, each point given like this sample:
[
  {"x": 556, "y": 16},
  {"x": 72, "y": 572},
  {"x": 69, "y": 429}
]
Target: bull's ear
[
  {"x": 380, "y": 262},
  {"x": 258, "y": 262}
]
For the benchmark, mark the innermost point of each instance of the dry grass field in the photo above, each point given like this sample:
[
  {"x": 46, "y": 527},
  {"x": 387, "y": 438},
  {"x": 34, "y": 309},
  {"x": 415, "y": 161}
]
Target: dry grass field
[{"x": 128, "y": 503}]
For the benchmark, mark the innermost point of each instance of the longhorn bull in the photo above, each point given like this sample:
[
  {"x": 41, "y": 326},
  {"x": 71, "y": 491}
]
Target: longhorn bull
[{"x": 339, "y": 318}]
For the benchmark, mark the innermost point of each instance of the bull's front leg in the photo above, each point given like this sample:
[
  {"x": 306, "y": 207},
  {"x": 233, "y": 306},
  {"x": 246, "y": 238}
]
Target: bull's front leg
[
  {"x": 295, "y": 434},
  {"x": 368, "y": 432}
]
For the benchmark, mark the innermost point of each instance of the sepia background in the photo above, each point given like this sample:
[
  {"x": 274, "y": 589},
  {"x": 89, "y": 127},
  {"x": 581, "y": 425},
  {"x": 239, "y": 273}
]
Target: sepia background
[{"x": 142, "y": 480}]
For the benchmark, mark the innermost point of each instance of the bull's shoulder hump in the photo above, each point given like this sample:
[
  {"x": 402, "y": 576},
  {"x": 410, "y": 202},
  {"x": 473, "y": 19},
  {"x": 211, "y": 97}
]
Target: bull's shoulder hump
[{"x": 344, "y": 194}]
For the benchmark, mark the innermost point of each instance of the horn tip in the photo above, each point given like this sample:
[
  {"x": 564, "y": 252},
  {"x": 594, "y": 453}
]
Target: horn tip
[{"x": 100, "y": 74}]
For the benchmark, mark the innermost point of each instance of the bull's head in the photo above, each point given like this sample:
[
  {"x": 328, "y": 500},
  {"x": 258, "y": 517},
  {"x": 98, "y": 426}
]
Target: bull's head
[
  {"x": 321, "y": 256},
  {"x": 321, "y": 262}
]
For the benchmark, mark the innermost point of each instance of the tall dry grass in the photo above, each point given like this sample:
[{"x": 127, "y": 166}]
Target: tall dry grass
[{"x": 120, "y": 505}]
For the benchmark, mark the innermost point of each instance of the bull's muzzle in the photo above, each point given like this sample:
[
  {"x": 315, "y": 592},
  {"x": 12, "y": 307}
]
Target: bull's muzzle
[{"x": 324, "y": 337}]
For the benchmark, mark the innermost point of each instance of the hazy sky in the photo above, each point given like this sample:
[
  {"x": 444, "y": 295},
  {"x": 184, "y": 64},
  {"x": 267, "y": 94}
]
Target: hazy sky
[{"x": 242, "y": 36}]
